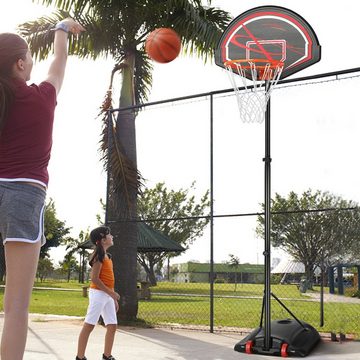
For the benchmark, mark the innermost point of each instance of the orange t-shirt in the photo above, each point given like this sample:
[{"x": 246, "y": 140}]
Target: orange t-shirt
[{"x": 106, "y": 274}]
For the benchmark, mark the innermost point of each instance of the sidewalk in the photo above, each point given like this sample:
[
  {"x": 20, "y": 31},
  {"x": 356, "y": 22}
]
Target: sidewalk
[
  {"x": 55, "y": 338},
  {"x": 333, "y": 298}
]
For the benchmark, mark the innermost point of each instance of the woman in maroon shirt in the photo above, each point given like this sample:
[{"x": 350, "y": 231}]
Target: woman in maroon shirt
[{"x": 26, "y": 121}]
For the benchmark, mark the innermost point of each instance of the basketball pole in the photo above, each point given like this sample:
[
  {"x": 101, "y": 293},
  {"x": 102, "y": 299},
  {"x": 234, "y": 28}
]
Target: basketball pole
[
  {"x": 265, "y": 45},
  {"x": 267, "y": 203}
]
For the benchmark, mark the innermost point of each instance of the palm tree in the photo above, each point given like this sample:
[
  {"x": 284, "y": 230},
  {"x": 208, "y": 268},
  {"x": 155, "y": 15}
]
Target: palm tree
[
  {"x": 73, "y": 247},
  {"x": 118, "y": 29},
  {"x": 234, "y": 262}
]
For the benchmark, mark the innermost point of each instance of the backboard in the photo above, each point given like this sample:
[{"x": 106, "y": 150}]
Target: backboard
[{"x": 270, "y": 33}]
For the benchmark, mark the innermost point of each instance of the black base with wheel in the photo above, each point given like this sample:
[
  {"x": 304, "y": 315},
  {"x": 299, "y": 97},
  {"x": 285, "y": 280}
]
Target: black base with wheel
[{"x": 288, "y": 338}]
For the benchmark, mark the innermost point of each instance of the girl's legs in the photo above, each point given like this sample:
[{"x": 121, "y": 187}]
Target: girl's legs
[
  {"x": 21, "y": 265},
  {"x": 83, "y": 339},
  {"x": 109, "y": 339}
]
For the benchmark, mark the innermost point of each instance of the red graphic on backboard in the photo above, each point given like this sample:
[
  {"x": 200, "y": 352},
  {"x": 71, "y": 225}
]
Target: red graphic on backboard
[{"x": 270, "y": 33}]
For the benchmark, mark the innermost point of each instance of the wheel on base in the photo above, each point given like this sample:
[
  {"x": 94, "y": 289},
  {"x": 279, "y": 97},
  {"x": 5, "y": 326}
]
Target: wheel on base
[
  {"x": 283, "y": 351},
  {"x": 249, "y": 346}
]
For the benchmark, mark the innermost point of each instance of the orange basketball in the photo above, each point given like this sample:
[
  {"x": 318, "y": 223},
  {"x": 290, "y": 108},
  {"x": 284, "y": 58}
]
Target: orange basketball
[{"x": 163, "y": 45}]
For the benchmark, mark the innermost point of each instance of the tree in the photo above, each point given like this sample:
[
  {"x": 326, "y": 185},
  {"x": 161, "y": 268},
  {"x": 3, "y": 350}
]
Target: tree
[
  {"x": 234, "y": 262},
  {"x": 118, "y": 29},
  {"x": 355, "y": 252},
  {"x": 69, "y": 265},
  {"x": 315, "y": 238},
  {"x": 161, "y": 203},
  {"x": 55, "y": 229},
  {"x": 72, "y": 247},
  {"x": 45, "y": 267}
]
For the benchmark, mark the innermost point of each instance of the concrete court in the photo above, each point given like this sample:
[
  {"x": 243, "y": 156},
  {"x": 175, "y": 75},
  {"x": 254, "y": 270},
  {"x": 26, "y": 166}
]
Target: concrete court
[{"x": 55, "y": 338}]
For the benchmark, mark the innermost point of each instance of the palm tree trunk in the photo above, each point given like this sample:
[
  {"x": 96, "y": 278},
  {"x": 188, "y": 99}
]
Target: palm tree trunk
[
  {"x": 124, "y": 259},
  {"x": 125, "y": 233}
]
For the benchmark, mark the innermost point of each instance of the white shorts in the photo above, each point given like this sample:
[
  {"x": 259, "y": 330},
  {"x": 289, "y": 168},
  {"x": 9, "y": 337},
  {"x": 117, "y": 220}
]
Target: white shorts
[{"x": 100, "y": 303}]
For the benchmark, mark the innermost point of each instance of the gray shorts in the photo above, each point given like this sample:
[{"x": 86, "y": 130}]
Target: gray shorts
[{"x": 21, "y": 212}]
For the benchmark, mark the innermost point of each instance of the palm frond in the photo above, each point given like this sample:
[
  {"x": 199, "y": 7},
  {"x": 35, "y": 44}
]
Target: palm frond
[
  {"x": 125, "y": 180},
  {"x": 68, "y": 5},
  {"x": 143, "y": 77},
  {"x": 39, "y": 34},
  {"x": 201, "y": 31},
  {"x": 199, "y": 27},
  {"x": 93, "y": 43}
]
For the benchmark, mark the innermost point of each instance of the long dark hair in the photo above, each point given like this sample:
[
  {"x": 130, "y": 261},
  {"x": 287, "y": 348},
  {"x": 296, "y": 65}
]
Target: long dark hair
[
  {"x": 96, "y": 236},
  {"x": 12, "y": 48}
]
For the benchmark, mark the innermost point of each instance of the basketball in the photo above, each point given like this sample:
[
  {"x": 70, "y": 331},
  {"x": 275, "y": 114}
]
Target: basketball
[{"x": 163, "y": 45}]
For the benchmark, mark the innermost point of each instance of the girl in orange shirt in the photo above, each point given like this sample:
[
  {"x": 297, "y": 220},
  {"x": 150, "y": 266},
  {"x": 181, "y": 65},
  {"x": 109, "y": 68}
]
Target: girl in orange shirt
[{"x": 103, "y": 300}]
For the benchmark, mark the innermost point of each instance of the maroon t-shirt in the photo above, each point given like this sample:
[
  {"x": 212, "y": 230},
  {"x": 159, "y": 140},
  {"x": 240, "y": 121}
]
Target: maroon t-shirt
[{"x": 26, "y": 138}]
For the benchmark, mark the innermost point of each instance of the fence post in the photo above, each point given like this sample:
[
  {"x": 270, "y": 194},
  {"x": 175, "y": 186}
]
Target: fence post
[
  {"x": 340, "y": 280},
  {"x": 331, "y": 280}
]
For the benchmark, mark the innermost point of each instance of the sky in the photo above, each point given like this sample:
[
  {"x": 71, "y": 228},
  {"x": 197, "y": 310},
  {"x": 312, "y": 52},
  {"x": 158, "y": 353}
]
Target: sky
[{"x": 314, "y": 131}]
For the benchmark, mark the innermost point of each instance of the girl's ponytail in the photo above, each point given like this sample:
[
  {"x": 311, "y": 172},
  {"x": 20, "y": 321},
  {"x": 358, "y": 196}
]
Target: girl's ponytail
[
  {"x": 6, "y": 98},
  {"x": 96, "y": 236},
  {"x": 12, "y": 48}
]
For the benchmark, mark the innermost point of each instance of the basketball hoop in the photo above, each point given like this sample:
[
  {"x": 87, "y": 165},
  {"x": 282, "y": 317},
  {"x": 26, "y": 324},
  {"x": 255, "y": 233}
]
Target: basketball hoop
[
  {"x": 274, "y": 43},
  {"x": 263, "y": 75}
]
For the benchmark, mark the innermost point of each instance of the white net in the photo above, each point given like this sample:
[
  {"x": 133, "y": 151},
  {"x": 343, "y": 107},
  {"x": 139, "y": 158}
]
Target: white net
[{"x": 252, "y": 96}]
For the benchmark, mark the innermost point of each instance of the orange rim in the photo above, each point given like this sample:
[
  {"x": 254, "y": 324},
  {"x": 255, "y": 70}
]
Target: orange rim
[
  {"x": 246, "y": 63},
  {"x": 265, "y": 69}
]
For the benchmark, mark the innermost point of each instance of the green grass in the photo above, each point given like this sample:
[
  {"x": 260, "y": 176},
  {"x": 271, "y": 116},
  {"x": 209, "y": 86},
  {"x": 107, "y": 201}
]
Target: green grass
[
  {"x": 58, "y": 303},
  {"x": 189, "y": 304},
  {"x": 289, "y": 291}
]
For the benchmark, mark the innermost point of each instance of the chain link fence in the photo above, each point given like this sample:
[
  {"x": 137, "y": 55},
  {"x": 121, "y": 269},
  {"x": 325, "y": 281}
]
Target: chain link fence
[
  {"x": 206, "y": 290},
  {"x": 237, "y": 304}
]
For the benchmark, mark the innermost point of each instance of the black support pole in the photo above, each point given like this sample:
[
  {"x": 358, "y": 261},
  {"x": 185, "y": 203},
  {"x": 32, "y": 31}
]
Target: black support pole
[
  {"x": 211, "y": 214},
  {"x": 267, "y": 258},
  {"x": 322, "y": 296},
  {"x": 331, "y": 280}
]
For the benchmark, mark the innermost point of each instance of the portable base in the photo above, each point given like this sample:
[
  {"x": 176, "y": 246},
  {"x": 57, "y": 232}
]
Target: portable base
[{"x": 288, "y": 338}]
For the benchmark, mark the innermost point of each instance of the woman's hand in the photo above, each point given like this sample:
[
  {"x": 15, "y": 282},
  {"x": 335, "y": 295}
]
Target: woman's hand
[{"x": 72, "y": 26}]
